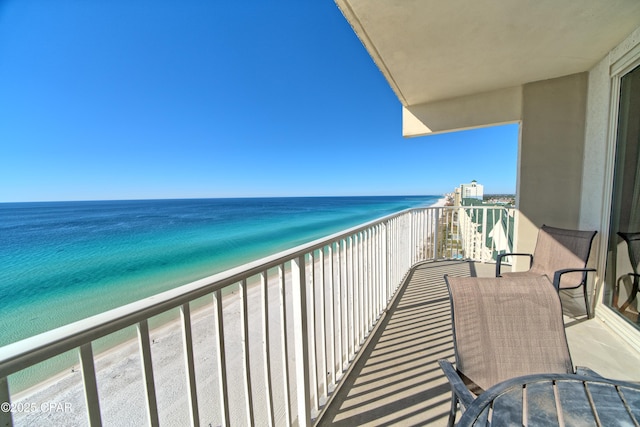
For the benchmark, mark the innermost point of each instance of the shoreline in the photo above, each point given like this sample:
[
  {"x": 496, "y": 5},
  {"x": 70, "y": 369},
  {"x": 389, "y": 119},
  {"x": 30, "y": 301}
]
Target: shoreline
[
  {"x": 439, "y": 204},
  {"x": 119, "y": 368},
  {"x": 122, "y": 360}
]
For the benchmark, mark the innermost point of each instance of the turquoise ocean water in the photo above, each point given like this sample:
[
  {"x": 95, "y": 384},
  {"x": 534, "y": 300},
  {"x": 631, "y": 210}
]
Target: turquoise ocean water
[{"x": 64, "y": 261}]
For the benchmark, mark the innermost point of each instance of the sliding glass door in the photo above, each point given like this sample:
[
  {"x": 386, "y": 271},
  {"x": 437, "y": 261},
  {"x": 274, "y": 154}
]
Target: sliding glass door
[{"x": 623, "y": 273}]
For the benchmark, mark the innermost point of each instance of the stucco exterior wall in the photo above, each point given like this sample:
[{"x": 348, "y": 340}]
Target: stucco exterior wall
[
  {"x": 595, "y": 150},
  {"x": 551, "y": 155},
  {"x": 479, "y": 110},
  {"x": 599, "y": 138}
]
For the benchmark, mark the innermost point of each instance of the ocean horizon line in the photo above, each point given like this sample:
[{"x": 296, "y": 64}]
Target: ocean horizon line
[{"x": 221, "y": 198}]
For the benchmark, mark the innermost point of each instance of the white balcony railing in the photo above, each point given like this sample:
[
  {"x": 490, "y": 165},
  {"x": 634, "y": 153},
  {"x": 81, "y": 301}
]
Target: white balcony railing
[{"x": 284, "y": 329}]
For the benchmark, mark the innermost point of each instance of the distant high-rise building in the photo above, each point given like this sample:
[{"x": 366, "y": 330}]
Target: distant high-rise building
[
  {"x": 457, "y": 197},
  {"x": 472, "y": 190}
]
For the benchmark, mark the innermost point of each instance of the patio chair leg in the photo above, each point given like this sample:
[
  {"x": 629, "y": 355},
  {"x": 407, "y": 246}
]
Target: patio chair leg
[
  {"x": 632, "y": 295},
  {"x": 452, "y": 411},
  {"x": 586, "y": 302}
]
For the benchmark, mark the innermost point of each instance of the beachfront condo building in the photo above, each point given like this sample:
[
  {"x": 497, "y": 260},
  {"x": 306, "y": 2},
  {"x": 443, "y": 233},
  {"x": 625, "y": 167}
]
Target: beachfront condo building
[
  {"x": 355, "y": 322},
  {"x": 487, "y": 232},
  {"x": 473, "y": 190}
]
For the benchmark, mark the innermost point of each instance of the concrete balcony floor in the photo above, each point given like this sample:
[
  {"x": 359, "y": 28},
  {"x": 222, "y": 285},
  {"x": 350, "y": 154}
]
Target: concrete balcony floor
[{"x": 397, "y": 380}]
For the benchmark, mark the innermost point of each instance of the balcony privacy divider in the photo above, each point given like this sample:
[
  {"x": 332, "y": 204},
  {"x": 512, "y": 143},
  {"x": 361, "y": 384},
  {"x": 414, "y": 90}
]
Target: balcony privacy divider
[{"x": 304, "y": 315}]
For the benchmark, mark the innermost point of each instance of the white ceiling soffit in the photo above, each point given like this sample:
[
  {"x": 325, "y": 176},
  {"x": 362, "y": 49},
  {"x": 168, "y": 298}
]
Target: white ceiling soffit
[{"x": 431, "y": 50}]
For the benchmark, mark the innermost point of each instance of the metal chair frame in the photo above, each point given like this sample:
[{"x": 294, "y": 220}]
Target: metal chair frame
[{"x": 557, "y": 275}]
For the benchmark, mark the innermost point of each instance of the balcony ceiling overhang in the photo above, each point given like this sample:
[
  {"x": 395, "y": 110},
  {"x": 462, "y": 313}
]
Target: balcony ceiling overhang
[{"x": 435, "y": 50}]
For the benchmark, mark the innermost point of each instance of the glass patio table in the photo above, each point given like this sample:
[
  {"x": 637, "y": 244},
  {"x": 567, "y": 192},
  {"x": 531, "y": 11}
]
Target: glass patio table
[{"x": 556, "y": 400}]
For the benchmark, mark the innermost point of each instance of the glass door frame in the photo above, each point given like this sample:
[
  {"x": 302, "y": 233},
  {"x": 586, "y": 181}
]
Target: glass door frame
[{"x": 626, "y": 63}]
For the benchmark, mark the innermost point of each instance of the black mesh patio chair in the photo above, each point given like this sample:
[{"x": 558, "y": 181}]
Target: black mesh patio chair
[
  {"x": 561, "y": 255},
  {"x": 633, "y": 246},
  {"x": 503, "y": 328}
]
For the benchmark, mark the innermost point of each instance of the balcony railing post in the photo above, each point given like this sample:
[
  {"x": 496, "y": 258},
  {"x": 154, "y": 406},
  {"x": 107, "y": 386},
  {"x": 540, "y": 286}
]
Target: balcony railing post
[
  {"x": 344, "y": 305},
  {"x": 301, "y": 339},
  {"x": 387, "y": 257},
  {"x": 350, "y": 298},
  {"x": 359, "y": 289},
  {"x": 90, "y": 385},
  {"x": 363, "y": 286},
  {"x": 370, "y": 278},
  {"x": 417, "y": 227},
  {"x": 375, "y": 274},
  {"x": 311, "y": 307},
  {"x": 222, "y": 358},
  {"x": 417, "y": 233},
  {"x": 6, "y": 420},
  {"x": 187, "y": 336},
  {"x": 331, "y": 330},
  {"x": 338, "y": 309},
  {"x": 393, "y": 246},
  {"x": 322, "y": 352},
  {"x": 436, "y": 233},
  {"x": 147, "y": 372},
  {"x": 284, "y": 342},
  {"x": 385, "y": 262},
  {"x": 408, "y": 258},
  {"x": 244, "y": 331},
  {"x": 503, "y": 237},
  {"x": 266, "y": 353}
]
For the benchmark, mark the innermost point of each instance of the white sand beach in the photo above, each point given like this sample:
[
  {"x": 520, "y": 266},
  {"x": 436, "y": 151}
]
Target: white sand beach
[
  {"x": 60, "y": 401},
  {"x": 440, "y": 203}
]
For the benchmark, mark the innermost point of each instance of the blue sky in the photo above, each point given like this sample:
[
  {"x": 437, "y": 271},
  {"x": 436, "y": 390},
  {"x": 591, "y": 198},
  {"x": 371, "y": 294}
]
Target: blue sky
[{"x": 178, "y": 99}]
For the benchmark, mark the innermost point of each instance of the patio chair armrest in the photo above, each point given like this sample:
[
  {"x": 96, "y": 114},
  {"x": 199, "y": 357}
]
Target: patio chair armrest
[
  {"x": 458, "y": 387},
  {"x": 587, "y": 372},
  {"x": 558, "y": 274},
  {"x": 500, "y": 256}
]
